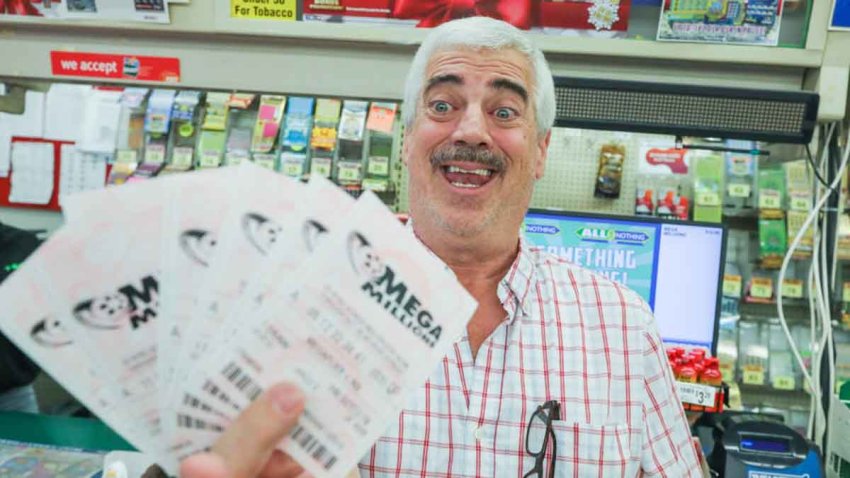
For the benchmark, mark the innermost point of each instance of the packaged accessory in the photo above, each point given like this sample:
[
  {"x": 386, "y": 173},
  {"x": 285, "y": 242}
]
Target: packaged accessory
[{"x": 609, "y": 176}]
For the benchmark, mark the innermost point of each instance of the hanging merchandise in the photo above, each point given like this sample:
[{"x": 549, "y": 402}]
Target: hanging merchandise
[
  {"x": 267, "y": 126},
  {"x": 241, "y": 120},
  {"x": 771, "y": 194},
  {"x": 798, "y": 183},
  {"x": 772, "y": 242},
  {"x": 131, "y": 127},
  {"x": 609, "y": 175},
  {"x": 295, "y": 135},
  {"x": 349, "y": 166},
  {"x": 157, "y": 124},
  {"x": 323, "y": 137},
  {"x": 123, "y": 167},
  {"x": 753, "y": 353},
  {"x": 547, "y": 16},
  {"x": 663, "y": 186},
  {"x": 740, "y": 177},
  {"x": 213, "y": 138},
  {"x": 380, "y": 126},
  {"x": 184, "y": 132},
  {"x": 773, "y": 235},
  {"x": 708, "y": 186}
]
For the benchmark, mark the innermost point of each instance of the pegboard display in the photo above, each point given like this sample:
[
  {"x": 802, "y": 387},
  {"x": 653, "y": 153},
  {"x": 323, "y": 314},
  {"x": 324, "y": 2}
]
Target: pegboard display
[{"x": 571, "y": 172}]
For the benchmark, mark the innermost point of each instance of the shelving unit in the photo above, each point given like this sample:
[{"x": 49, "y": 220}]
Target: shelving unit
[{"x": 344, "y": 60}]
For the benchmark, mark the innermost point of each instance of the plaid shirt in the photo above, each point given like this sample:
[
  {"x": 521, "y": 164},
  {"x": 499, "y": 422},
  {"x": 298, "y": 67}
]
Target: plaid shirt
[{"x": 571, "y": 336}]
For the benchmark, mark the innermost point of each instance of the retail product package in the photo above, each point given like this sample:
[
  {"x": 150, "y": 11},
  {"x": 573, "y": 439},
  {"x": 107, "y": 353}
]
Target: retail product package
[
  {"x": 663, "y": 183},
  {"x": 167, "y": 306}
]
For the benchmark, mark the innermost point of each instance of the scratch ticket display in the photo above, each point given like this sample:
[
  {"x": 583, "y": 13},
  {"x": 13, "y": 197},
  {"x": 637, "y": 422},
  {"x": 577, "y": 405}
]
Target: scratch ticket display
[{"x": 167, "y": 306}]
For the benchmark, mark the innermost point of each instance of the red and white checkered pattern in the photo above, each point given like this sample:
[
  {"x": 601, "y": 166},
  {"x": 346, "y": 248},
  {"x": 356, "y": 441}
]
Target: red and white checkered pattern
[{"x": 570, "y": 336}]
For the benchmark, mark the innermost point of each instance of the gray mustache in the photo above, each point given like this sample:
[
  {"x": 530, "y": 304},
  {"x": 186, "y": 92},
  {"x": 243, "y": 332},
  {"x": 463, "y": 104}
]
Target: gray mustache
[{"x": 484, "y": 157}]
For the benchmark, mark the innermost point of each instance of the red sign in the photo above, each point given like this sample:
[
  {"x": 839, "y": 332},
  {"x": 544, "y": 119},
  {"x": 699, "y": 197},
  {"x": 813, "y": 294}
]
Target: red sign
[{"x": 115, "y": 67}]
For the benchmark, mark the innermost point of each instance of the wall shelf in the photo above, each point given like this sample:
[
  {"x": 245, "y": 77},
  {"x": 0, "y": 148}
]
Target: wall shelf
[{"x": 369, "y": 61}]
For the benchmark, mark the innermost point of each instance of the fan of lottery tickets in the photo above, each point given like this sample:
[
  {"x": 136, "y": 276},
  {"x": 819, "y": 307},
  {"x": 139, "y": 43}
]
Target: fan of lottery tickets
[{"x": 166, "y": 306}]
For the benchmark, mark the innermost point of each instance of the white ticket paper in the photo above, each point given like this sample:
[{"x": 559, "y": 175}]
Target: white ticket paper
[
  {"x": 262, "y": 218},
  {"x": 372, "y": 314}
]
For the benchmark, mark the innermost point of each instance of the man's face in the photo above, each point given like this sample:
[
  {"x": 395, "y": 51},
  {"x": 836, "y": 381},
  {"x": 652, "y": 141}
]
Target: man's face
[{"x": 474, "y": 152}]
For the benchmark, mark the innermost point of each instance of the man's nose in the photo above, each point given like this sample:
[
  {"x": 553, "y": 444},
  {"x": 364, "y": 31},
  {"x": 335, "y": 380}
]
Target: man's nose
[{"x": 472, "y": 129}]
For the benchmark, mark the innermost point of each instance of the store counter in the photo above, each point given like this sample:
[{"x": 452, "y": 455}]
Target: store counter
[{"x": 85, "y": 433}]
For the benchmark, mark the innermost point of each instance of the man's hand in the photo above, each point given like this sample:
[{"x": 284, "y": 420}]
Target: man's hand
[{"x": 247, "y": 448}]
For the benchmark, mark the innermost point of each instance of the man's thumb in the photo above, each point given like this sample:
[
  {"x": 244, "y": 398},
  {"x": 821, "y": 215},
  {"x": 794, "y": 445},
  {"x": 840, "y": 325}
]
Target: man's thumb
[{"x": 249, "y": 441}]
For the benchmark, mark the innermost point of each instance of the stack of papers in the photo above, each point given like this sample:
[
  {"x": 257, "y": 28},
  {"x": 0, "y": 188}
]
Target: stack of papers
[{"x": 167, "y": 306}]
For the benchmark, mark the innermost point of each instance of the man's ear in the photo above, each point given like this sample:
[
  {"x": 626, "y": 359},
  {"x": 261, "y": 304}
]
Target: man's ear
[{"x": 542, "y": 154}]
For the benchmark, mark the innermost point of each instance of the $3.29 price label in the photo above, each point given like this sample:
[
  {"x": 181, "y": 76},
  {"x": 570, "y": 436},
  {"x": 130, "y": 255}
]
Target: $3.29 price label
[{"x": 696, "y": 394}]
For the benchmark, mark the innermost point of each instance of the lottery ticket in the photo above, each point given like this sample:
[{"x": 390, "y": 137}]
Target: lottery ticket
[
  {"x": 149, "y": 200},
  {"x": 191, "y": 225},
  {"x": 260, "y": 219},
  {"x": 323, "y": 204},
  {"x": 37, "y": 327},
  {"x": 372, "y": 314}
]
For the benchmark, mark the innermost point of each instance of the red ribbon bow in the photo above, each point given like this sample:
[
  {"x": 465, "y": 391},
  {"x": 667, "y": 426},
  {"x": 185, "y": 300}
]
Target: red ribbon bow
[
  {"x": 434, "y": 12},
  {"x": 18, "y": 7}
]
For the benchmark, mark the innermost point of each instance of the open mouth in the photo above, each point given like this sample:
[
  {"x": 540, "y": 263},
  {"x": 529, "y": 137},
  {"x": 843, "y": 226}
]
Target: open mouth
[{"x": 472, "y": 176}]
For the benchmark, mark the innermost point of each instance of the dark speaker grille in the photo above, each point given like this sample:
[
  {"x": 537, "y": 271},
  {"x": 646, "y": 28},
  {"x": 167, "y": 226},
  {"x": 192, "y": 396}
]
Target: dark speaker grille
[{"x": 686, "y": 110}]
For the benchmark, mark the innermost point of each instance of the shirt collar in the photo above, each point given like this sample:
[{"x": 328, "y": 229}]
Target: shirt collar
[{"x": 514, "y": 288}]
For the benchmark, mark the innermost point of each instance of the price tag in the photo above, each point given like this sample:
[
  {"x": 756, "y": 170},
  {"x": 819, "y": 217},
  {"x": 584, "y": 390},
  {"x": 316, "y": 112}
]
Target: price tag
[
  {"x": 770, "y": 199},
  {"x": 155, "y": 154},
  {"x": 125, "y": 156},
  {"x": 792, "y": 288},
  {"x": 378, "y": 166},
  {"x": 753, "y": 377},
  {"x": 784, "y": 383},
  {"x": 349, "y": 172},
  {"x": 293, "y": 169},
  {"x": 696, "y": 394},
  {"x": 761, "y": 288},
  {"x": 209, "y": 159},
  {"x": 233, "y": 158},
  {"x": 265, "y": 160},
  {"x": 182, "y": 156},
  {"x": 732, "y": 285},
  {"x": 321, "y": 167},
  {"x": 377, "y": 185},
  {"x": 801, "y": 203},
  {"x": 708, "y": 198},
  {"x": 739, "y": 190}
]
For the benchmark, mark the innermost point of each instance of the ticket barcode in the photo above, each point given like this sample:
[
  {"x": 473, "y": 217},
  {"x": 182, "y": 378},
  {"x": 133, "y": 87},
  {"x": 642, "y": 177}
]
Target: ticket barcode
[
  {"x": 195, "y": 402},
  {"x": 213, "y": 390},
  {"x": 186, "y": 421},
  {"x": 312, "y": 446},
  {"x": 241, "y": 380}
]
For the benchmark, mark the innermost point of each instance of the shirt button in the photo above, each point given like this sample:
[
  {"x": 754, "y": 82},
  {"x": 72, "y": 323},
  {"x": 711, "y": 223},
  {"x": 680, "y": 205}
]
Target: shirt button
[{"x": 478, "y": 433}]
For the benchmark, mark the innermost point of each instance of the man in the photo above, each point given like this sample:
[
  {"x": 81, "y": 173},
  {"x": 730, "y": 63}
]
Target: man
[{"x": 549, "y": 341}]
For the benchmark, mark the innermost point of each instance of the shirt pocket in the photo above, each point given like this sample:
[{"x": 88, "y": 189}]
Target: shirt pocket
[{"x": 591, "y": 450}]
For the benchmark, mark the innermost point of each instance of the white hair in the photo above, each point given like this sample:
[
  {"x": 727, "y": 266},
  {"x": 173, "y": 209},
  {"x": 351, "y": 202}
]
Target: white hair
[{"x": 481, "y": 33}]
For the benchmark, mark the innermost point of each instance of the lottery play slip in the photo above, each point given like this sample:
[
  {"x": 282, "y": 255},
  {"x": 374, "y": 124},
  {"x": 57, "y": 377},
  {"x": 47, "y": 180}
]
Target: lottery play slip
[{"x": 166, "y": 306}]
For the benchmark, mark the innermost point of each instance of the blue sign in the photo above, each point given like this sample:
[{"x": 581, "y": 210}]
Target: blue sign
[{"x": 840, "y": 15}]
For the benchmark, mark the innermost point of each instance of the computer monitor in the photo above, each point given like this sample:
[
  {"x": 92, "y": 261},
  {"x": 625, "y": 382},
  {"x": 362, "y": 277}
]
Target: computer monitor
[{"x": 677, "y": 267}]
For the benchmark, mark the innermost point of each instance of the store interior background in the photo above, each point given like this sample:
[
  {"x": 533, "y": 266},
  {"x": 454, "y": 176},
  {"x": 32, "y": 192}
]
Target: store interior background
[{"x": 370, "y": 63}]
